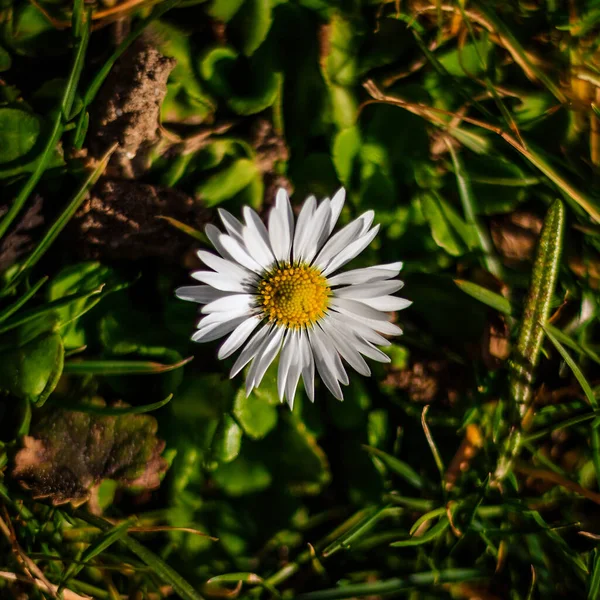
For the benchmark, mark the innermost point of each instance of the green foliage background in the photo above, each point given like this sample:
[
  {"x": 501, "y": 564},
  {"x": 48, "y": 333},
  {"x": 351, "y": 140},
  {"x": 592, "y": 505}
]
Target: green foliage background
[{"x": 450, "y": 473}]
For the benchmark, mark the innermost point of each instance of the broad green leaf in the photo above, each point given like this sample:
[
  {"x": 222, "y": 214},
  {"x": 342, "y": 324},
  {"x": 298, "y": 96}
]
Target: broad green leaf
[
  {"x": 443, "y": 222},
  {"x": 228, "y": 182},
  {"x": 242, "y": 476},
  {"x": 227, "y": 441},
  {"x": 224, "y": 10},
  {"x": 346, "y": 149},
  {"x": 19, "y": 131},
  {"x": 251, "y": 24},
  {"x": 257, "y": 413},
  {"x": 31, "y": 372},
  {"x": 5, "y": 60},
  {"x": 466, "y": 60}
]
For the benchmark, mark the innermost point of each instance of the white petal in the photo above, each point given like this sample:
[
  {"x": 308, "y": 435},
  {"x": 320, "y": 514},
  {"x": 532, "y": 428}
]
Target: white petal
[
  {"x": 359, "y": 329},
  {"x": 281, "y": 226},
  {"x": 240, "y": 334},
  {"x": 344, "y": 344},
  {"x": 332, "y": 356},
  {"x": 199, "y": 293},
  {"x": 263, "y": 359},
  {"x": 342, "y": 238},
  {"x": 221, "y": 281},
  {"x": 357, "y": 276},
  {"x": 224, "y": 266},
  {"x": 232, "y": 225},
  {"x": 386, "y": 303},
  {"x": 239, "y": 253},
  {"x": 351, "y": 251},
  {"x": 370, "y": 290},
  {"x": 217, "y": 330},
  {"x": 293, "y": 375},
  {"x": 308, "y": 366},
  {"x": 249, "y": 352},
  {"x": 306, "y": 213},
  {"x": 325, "y": 372},
  {"x": 369, "y": 316},
  {"x": 285, "y": 361},
  {"x": 316, "y": 231},
  {"x": 213, "y": 233},
  {"x": 337, "y": 203},
  {"x": 230, "y": 304},
  {"x": 256, "y": 239}
]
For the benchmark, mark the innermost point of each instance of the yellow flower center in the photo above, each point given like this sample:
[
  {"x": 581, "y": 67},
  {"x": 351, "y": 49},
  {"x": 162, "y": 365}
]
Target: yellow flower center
[{"x": 293, "y": 295}]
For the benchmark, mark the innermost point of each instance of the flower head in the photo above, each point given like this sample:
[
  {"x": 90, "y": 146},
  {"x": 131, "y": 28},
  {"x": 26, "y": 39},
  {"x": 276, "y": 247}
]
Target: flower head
[{"x": 275, "y": 290}]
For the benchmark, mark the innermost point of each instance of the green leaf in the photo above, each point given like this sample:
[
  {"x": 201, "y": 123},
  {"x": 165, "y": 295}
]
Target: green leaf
[
  {"x": 257, "y": 413},
  {"x": 19, "y": 131},
  {"x": 430, "y": 535},
  {"x": 69, "y": 452},
  {"x": 31, "y": 371},
  {"x": 487, "y": 297},
  {"x": 227, "y": 441},
  {"x": 242, "y": 476},
  {"x": 251, "y": 24},
  {"x": 466, "y": 60},
  {"x": 447, "y": 228},
  {"x": 228, "y": 182},
  {"x": 224, "y": 10},
  {"x": 346, "y": 150},
  {"x": 594, "y": 580},
  {"x": 5, "y": 60}
]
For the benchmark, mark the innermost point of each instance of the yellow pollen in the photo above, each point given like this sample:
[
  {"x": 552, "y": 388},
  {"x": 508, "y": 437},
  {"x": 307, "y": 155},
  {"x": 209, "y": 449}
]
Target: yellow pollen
[{"x": 293, "y": 296}]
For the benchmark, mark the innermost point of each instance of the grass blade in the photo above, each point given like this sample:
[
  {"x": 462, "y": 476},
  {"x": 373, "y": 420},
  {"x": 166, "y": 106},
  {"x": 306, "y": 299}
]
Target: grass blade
[
  {"x": 114, "y": 411},
  {"x": 431, "y": 578},
  {"x": 120, "y": 367},
  {"x": 485, "y": 296},
  {"x": 160, "y": 568},
  {"x": 583, "y": 382},
  {"x": 397, "y": 466},
  {"x": 469, "y": 202},
  {"x": 13, "y": 308}
]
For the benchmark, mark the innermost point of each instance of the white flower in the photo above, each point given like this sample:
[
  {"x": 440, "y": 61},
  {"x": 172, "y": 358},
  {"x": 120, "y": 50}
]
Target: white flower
[{"x": 276, "y": 290}]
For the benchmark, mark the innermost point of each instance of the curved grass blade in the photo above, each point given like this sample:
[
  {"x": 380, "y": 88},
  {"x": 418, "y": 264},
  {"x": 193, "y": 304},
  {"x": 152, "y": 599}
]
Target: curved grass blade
[
  {"x": 594, "y": 580},
  {"x": 583, "y": 382},
  {"x": 431, "y": 578},
  {"x": 247, "y": 578},
  {"x": 81, "y": 43},
  {"x": 115, "y": 411},
  {"x": 485, "y": 296},
  {"x": 13, "y": 308},
  {"x": 402, "y": 469},
  {"x": 563, "y": 338},
  {"x": 49, "y": 307},
  {"x": 194, "y": 233},
  {"x": 344, "y": 542},
  {"x": 158, "y": 566},
  {"x": 120, "y": 367},
  {"x": 430, "y": 535},
  {"x": 66, "y": 215},
  {"x": 469, "y": 202}
]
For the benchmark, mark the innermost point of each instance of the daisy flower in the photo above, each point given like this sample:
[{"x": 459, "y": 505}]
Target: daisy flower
[{"x": 276, "y": 290}]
